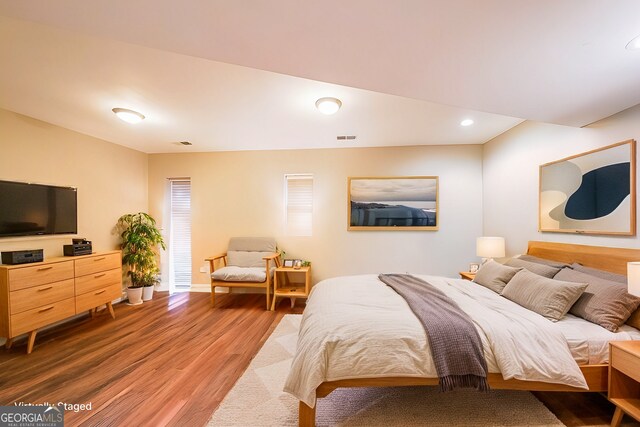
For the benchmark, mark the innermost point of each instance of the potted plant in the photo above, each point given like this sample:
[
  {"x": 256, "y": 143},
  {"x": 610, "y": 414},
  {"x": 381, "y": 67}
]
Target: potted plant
[
  {"x": 150, "y": 281},
  {"x": 140, "y": 240}
]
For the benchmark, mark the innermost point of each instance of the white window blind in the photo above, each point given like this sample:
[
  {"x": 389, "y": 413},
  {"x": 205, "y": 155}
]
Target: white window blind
[
  {"x": 299, "y": 204},
  {"x": 180, "y": 238}
]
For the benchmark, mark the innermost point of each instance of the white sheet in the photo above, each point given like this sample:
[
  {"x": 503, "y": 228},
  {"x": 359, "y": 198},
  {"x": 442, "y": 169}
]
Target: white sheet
[
  {"x": 357, "y": 327},
  {"x": 588, "y": 342}
]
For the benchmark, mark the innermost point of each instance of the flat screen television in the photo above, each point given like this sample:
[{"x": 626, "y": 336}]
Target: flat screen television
[{"x": 35, "y": 209}]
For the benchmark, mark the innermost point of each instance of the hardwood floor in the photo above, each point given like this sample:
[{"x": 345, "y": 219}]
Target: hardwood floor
[{"x": 171, "y": 361}]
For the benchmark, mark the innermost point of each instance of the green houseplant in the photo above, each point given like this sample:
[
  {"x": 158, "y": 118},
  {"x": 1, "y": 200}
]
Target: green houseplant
[{"x": 140, "y": 241}]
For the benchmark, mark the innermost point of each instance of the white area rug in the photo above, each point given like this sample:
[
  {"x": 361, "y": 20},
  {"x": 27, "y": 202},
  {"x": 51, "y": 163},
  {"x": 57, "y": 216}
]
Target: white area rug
[{"x": 257, "y": 399}]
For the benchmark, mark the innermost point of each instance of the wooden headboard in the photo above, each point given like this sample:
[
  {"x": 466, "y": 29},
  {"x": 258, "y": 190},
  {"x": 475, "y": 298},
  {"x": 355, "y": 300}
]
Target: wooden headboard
[{"x": 601, "y": 257}]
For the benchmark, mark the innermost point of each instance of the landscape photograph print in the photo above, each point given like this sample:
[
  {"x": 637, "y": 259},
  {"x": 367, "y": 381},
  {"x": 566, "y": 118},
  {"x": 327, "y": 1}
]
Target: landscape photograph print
[{"x": 393, "y": 203}]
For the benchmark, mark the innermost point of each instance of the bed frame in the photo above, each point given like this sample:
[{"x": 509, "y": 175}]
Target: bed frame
[{"x": 600, "y": 257}]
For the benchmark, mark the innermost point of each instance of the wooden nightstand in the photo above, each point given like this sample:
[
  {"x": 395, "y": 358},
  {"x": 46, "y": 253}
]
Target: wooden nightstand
[
  {"x": 624, "y": 379},
  {"x": 282, "y": 287},
  {"x": 466, "y": 275}
]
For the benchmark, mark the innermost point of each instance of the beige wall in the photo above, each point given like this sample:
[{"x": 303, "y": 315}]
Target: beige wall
[
  {"x": 111, "y": 179},
  {"x": 510, "y": 178},
  {"x": 241, "y": 194}
]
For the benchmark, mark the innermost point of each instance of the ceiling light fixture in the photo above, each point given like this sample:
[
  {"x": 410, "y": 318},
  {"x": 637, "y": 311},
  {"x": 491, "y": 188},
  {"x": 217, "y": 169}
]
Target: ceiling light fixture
[
  {"x": 466, "y": 122},
  {"x": 328, "y": 105},
  {"x": 128, "y": 116},
  {"x": 633, "y": 44}
]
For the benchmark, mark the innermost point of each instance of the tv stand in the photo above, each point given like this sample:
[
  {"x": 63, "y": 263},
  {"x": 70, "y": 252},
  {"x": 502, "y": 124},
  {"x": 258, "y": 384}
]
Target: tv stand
[{"x": 36, "y": 295}]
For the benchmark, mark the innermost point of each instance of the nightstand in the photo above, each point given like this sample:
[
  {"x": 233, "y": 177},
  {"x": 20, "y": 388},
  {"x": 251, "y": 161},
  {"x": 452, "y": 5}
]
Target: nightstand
[
  {"x": 466, "y": 275},
  {"x": 624, "y": 379},
  {"x": 282, "y": 286}
]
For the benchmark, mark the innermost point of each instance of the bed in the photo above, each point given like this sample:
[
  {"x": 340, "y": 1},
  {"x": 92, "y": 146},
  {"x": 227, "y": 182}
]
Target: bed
[{"x": 309, "y": 381}]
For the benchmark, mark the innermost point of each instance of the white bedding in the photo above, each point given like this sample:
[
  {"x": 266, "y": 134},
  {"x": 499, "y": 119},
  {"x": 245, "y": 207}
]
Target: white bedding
[
  {"x": 336, "y": 340},
  {"x": 588, "y": 342}
]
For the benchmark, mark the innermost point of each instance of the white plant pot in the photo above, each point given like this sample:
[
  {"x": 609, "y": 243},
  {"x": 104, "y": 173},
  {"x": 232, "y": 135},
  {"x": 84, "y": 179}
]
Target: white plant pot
[
  {"x": 134, "y": 295},
  {"x": 147, "y": 293}
]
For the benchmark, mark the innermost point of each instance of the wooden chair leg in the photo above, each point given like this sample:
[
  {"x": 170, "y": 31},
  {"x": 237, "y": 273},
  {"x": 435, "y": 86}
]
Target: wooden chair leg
[
  {"x": 268, "y": 297},
  {"x": 9, "y": 343},
  {"x": 32, "y": 340},
  {"x": 213, "y": 296}
]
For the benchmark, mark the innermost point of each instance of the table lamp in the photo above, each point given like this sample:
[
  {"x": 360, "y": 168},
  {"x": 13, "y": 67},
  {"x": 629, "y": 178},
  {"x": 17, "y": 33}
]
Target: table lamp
[
  {"x": 633, "y": 278},
  {"x": 489, "y": 248}
]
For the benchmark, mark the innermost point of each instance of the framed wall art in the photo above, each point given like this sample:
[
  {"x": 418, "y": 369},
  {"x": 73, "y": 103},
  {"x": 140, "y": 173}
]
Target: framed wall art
[
  {"x": 393, "y": 203},
  {"x": 591, "y": 193}
]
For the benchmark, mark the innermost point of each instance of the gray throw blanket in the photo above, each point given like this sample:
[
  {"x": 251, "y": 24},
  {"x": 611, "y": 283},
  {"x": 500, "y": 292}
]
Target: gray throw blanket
[{"x": 454, "y": 341}]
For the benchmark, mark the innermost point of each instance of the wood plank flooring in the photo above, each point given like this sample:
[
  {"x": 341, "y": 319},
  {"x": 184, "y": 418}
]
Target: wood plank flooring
[{"x": 171, "y": 361}]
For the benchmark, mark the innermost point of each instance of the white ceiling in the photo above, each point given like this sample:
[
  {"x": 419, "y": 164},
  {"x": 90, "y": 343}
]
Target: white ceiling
[{"x": 559, "y": 61}]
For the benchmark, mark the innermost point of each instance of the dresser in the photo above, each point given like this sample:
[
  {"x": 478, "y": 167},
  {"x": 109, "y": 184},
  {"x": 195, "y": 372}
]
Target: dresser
[{"x": 33, "y": 296}]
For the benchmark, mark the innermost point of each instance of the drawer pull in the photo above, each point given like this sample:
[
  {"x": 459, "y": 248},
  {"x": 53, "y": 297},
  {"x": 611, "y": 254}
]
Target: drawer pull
[
  {"x": 45, "y": 309},
  {"x": 100, "y": 259},
  {"x": 45, "y": 268},
  {"x": 99, "y": 275},
  {"x": 45, "y": 289},
  {"x": 100, "y": 292}
]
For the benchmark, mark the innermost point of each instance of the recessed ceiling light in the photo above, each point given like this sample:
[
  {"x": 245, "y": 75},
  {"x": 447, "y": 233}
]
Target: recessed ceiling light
[
  {"x": 634, "y": 44},
  {"x": 328, "y": 105},
  {"x": 128, "y": 116},
  {"x": 466, "y": 122}
]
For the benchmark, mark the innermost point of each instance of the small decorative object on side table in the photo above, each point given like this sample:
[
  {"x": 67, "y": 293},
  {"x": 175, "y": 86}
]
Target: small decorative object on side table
[
  {"x": 624, "y": 379},
  {"x": 466, "y": 275},
  {"x": 282, "y": 287}
]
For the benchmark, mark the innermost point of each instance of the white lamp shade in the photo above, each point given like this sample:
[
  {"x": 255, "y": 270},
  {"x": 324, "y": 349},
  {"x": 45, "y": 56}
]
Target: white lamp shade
[
  {"x": 490, "y": 247},
  {"x": 633, "y": 278}
]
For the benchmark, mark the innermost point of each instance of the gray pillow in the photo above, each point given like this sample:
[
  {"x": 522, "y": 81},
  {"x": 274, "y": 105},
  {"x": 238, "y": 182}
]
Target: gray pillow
[
  {"x": 240, "y": 274},
  {"x": 247, "y": 259},
  {"x": 600, "y": 273},
  {"x": 547, "y": 297},
  {"x": 540, "y": 269},
  {"x": 537, "y": 260},
  {"x": 604, "y": 302},
  {"x": 634, "y": 319},
  {"x": 494, "y": 276}
]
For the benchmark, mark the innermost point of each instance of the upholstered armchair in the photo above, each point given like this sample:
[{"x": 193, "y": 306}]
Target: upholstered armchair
[{"x": 248, "y": 263}]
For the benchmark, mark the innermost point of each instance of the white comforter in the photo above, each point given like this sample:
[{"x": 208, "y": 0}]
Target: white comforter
[{"x": 357, "y": 327}]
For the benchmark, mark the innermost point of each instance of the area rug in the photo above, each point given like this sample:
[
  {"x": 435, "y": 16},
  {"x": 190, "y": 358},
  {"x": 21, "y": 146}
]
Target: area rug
[{"x": 257, "y": 399}]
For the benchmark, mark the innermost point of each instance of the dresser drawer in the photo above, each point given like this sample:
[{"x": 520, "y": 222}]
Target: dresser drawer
[
  {"x": 99, "y": 280},
  {"x": 96, "y": 264},
  {"x": 37, "y": 296},
  {"x": 27, "y": 277},
  {"x": 97, "y": 297},
  {"x": 42, "y": 316},
  {"x": 625, "y": 362}
]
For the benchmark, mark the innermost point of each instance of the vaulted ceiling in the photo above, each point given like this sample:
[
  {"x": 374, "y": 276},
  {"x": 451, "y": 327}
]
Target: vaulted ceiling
[{"x": 239, "y": 75}]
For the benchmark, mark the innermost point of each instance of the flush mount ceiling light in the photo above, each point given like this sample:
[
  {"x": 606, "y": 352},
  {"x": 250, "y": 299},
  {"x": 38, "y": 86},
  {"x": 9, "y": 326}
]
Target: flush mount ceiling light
[
  {"x": 328, "y": 105},
  {"x": 128, "y": 116},
  {"x": 466, "y": 122},
  {"x": 633, "y": 44}
]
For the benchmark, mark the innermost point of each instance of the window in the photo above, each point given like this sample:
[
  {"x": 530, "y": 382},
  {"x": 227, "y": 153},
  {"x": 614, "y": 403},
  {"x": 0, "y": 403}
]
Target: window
[
  {"x": 180, "y": 236},
  {"x": 298, "y": 204}
]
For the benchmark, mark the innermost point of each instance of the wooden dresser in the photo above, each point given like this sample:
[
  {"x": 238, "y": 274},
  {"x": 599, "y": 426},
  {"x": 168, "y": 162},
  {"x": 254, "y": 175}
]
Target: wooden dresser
[{"x": 36, "y": 295}]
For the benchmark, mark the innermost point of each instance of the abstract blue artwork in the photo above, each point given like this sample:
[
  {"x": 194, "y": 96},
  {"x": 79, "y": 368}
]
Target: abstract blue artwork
[{"x": 591, "y": 193}]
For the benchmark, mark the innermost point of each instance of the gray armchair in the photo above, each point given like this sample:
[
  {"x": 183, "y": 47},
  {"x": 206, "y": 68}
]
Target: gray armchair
[{"x": 248, "y": 263}]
